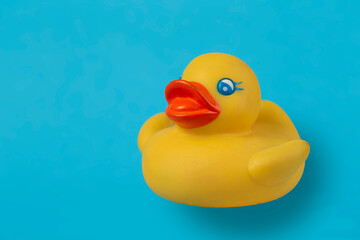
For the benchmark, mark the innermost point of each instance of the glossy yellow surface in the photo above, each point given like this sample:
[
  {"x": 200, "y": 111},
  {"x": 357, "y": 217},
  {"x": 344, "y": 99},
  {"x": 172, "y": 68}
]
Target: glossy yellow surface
[{"x": 250, "y": 154}]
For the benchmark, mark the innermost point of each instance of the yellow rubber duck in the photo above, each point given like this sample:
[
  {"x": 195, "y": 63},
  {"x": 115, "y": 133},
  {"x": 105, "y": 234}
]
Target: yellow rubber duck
[{"x": 218, "y": 144}]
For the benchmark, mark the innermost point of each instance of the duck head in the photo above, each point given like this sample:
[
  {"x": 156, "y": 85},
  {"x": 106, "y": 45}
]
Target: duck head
[{"x": 216, "y": 93}]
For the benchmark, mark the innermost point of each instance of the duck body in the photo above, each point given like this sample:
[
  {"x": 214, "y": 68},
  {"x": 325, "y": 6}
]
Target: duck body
[{"x": 201, "y": 166}]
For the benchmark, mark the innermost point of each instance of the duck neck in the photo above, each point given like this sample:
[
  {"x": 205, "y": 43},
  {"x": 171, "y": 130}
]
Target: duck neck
[{"x": 203, "y": 131}]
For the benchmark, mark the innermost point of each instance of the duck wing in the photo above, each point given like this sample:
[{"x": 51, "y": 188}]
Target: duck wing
[{"x": 277, "y": 164}]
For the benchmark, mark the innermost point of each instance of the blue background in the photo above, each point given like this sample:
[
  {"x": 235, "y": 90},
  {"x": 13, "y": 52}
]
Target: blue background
[{"x": 79, "y": 78}]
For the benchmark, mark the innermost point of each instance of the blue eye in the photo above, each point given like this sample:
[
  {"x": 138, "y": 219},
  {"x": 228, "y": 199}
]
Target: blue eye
[{"x": 226, "y": 86}]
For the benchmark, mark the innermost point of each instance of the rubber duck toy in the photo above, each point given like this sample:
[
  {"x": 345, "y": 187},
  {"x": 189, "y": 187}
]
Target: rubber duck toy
[{"x": 218, "y": 144}]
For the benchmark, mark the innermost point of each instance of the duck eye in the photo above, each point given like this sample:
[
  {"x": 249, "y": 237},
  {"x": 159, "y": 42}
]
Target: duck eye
[{"x": 226, "y": 86}]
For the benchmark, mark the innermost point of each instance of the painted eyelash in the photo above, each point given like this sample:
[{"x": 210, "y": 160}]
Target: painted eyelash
[{"x": 236, "y": 88}]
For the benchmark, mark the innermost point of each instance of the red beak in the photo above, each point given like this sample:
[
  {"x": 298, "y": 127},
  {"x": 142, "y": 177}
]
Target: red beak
[{"x": 190, "y": 104}]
